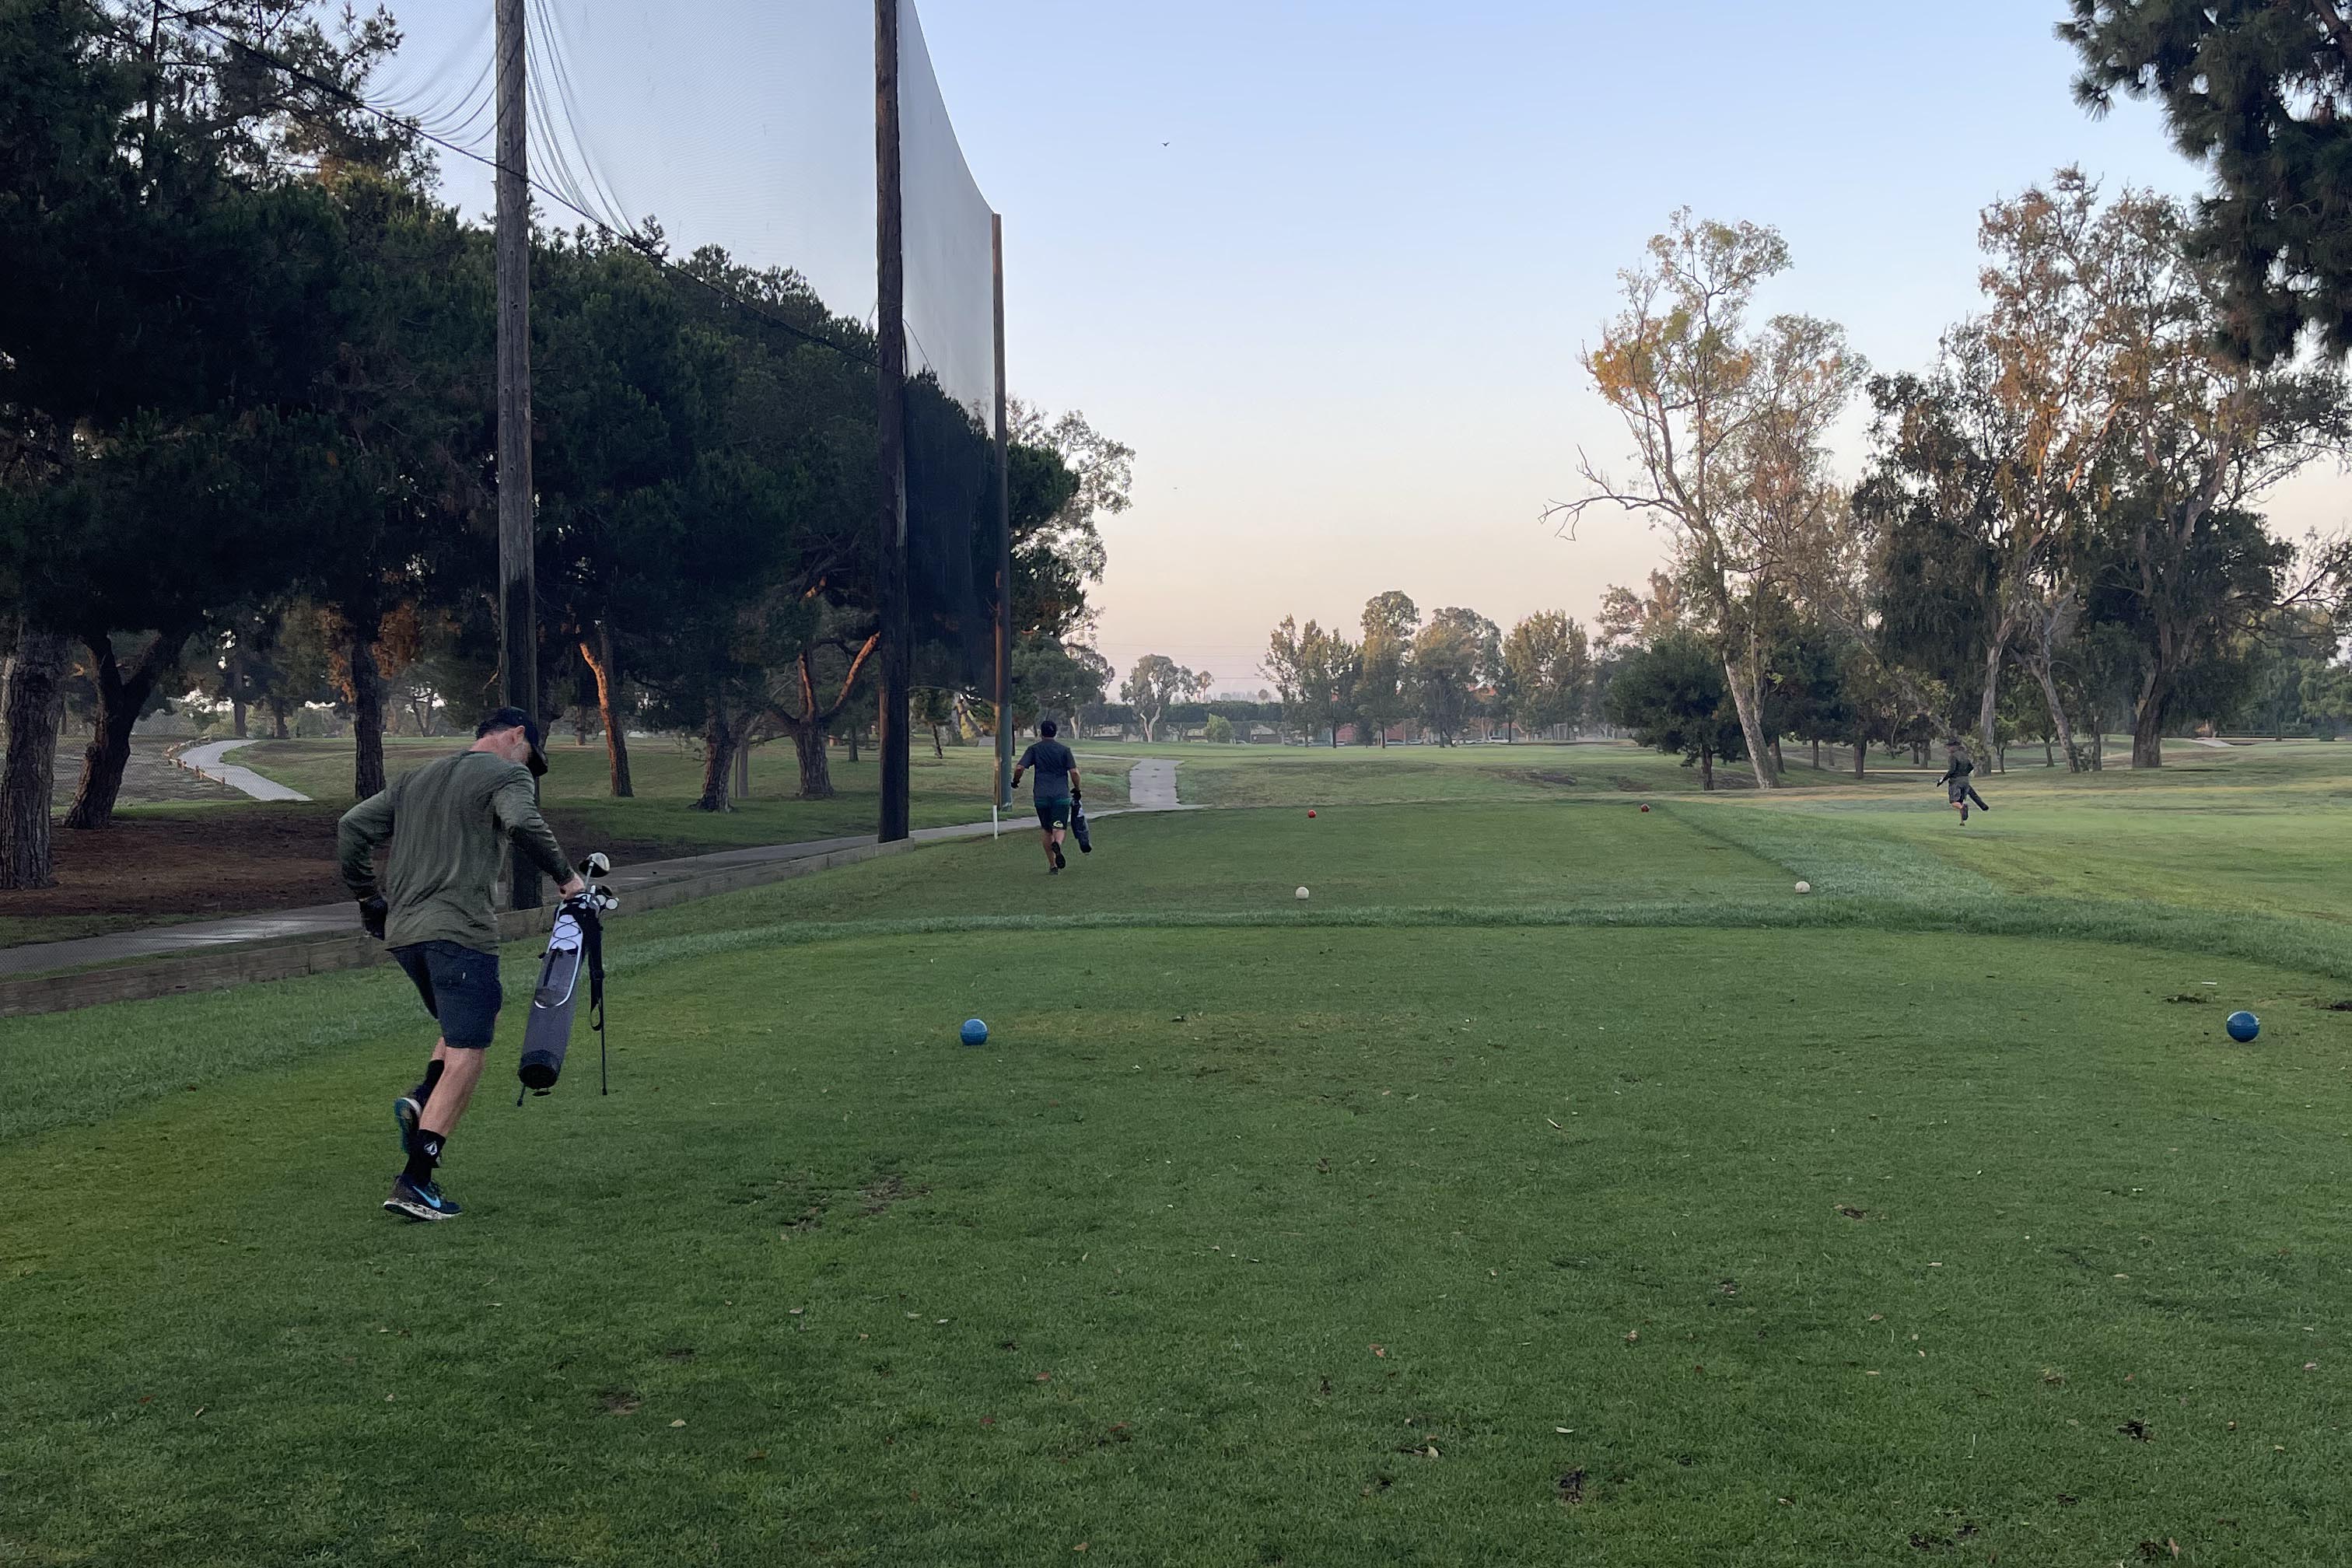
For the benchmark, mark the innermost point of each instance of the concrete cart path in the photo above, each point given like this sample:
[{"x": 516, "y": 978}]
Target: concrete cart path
[
  {"x": 206, "y": 762},
  {"x": 1152, "y": 785}
]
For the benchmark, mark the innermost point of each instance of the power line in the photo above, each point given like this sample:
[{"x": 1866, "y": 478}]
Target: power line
[{"x": 623, "y": 234}]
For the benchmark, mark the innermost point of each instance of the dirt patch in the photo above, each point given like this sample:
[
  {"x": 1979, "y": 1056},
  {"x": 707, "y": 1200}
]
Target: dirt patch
[
  {"x": 239, "y": 859},
  {"x": 1571, "y": 1488},
  {"x": 1555, "y": 780},
  {"x": 885, "y": 1190}
]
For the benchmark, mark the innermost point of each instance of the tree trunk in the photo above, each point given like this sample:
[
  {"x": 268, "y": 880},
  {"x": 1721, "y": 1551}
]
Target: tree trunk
[
  {"x": 1861, "y": 756},
  {"x": 816, "y": 765},
  {"x": 852, "y": 743},
  {"x": 120, "y": 700},
  {"x": 717, "y": 754},
  {"x": 2147, "y": 722},
  {"x": 607, "y": 671},
  {"x": 1986, "y": 719},
  {"x": 2049, "y": 756},
  {"x": 35, "y": 707},
  {"x": 1779, "y": 763},
  {"x": 938, "y": 750},
  {"x": 1817, "y": 754},
  {"x": 2058, "y": 719},
  {"x": 237, "y": 689},
  {"x": 277, "y": 719},
  {"x": 743, "y": 768},
  {"x": 1745, "y": 698},
  {"x": 367, "y": 714},
  {"x": 1707, "y": 770}
]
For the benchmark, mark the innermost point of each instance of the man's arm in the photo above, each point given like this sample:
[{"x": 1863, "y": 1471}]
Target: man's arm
[
  {"x": 363, "y": 828},
  {"x": 1075, "y": 791},
  {"x": 518, "y": 818}
]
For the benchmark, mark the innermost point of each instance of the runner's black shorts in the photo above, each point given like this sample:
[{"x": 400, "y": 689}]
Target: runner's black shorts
[
  {"x": 1054, "y": 813},
  {"x": 460, "y": 989}
]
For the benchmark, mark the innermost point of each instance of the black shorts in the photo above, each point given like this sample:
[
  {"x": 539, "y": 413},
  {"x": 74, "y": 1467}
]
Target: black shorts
[
  {"x": 1054, "y": 813},
  {"x": 460, "y": 987}
]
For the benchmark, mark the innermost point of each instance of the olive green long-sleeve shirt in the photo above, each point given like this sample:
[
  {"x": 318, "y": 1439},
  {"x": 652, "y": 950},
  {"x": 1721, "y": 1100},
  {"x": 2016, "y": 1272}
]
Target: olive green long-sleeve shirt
[{"x": 451, "y": 818}]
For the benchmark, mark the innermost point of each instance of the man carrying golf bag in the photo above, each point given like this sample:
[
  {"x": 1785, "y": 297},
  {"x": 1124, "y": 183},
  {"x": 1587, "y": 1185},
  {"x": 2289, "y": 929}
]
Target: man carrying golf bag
[{"x": 434, "y": 904}]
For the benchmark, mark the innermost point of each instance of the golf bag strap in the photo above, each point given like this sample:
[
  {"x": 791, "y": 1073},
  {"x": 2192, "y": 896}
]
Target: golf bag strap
[{"x": 592, "y": 948}]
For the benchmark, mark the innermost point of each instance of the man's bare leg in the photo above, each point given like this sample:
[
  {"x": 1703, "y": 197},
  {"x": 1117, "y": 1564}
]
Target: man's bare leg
[
  {"x": 460, "y": 1071},
  {"x": 1047, "y": 839}
]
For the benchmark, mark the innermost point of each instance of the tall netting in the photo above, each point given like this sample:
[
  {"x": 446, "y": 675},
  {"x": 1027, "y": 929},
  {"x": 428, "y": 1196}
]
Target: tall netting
[
  {"x": 951, "y": 388},
  {"x": 752, "y": 127}
]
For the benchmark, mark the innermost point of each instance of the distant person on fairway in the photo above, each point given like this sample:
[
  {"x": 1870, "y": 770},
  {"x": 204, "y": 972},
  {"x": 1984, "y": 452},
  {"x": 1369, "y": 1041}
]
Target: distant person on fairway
[
  {"x": 450, "y": 819},
  {"x": 1058, "y": 789},
  {"x": 1957, "y": 787}
]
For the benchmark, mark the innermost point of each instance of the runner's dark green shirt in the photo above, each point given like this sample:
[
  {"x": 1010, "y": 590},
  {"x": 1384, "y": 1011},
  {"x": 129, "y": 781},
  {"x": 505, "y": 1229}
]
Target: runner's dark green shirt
[{"x": 446, "y": 822}]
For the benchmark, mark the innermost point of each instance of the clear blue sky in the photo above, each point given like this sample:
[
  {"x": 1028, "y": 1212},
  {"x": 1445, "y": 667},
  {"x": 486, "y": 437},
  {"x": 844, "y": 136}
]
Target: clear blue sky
[{"x": 1328, "y": 266}]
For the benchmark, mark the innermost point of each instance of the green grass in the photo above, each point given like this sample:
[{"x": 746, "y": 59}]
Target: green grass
[
  {"x": 1364, "y": 775},
  {"x": 1491, "y": 1206}
]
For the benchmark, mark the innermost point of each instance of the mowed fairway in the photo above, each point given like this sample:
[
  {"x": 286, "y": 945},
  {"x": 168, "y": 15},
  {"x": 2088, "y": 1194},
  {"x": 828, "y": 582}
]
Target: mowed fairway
[{"x": 1496, "y": 1206}]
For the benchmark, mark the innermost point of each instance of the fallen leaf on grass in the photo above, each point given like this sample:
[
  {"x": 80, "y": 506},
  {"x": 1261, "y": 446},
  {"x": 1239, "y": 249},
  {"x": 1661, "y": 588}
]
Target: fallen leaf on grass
[
  {"x": 1632, "y": 1336},
  {"x": 680, "y": 1422},
  {"x": 1850, "y": 1212},
  {"x": 1379, "y": 1350},
  {"x": 1044, "y": 1377}
]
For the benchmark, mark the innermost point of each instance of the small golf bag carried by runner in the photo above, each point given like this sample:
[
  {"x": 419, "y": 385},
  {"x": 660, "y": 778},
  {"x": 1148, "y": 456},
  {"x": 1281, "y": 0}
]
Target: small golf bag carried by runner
[
  {"x": 1078, "y": 828},
  {"x": 577, "y": 943}
]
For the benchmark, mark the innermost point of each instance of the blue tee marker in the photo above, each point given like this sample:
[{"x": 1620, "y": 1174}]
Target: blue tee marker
[
  {"x": 2244, "y": 1027},
  {"x": 975, "y": 1033}
]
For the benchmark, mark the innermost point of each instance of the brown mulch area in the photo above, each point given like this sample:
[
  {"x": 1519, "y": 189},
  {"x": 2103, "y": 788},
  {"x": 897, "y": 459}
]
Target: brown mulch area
[{"x": 244, "y": 860}]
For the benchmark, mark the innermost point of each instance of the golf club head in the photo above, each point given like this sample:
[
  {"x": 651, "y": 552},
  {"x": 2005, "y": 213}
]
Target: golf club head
[{"x": 598, "y": 864}]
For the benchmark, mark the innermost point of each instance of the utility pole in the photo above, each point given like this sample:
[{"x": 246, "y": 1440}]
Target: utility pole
[
  {"x": 1004, "y": 535},
  {"x": 518, "y": 600},
  {"x": 890, "y": 334}
]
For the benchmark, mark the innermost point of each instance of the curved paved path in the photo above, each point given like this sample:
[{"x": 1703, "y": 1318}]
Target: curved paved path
[
  {"x": 206, "y": 762},
  {"x": 1152, "y": 785}
]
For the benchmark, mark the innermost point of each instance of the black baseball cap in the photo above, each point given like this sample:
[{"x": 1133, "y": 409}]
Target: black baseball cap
[{"x": 515, "y": 718}]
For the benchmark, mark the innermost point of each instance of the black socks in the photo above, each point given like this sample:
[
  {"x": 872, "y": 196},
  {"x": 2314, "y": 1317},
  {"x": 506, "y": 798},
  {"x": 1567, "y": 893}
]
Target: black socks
[{"x": 424, "y": 1154}]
